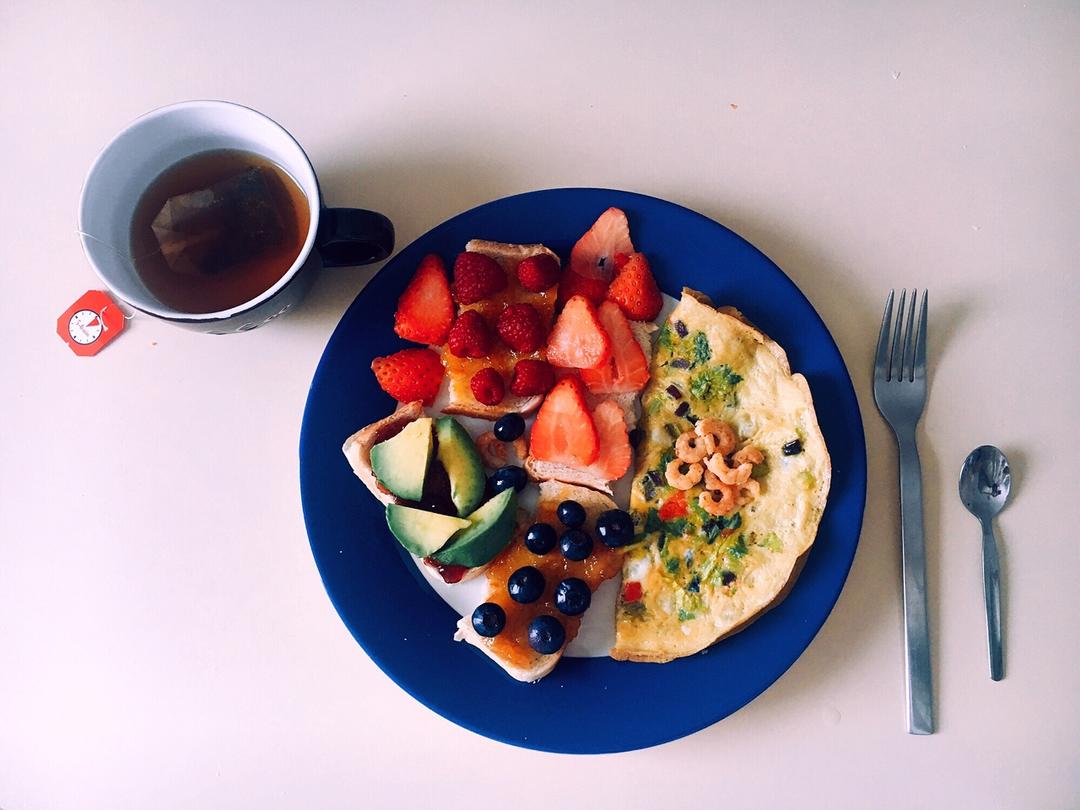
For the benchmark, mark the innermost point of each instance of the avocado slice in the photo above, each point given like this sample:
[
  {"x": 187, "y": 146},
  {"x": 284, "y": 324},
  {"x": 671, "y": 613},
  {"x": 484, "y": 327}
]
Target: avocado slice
[
  {"x": 463, "y": 466},
  {"x": 422, "y": 533},
  {"x": 490, "y": 529},
  {"x": 400, "y": 463}
]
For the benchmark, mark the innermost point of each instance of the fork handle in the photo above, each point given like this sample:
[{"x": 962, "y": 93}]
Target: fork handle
[
  {"x": 916, "y": 623},
  {"x": 992, "y": 594}
]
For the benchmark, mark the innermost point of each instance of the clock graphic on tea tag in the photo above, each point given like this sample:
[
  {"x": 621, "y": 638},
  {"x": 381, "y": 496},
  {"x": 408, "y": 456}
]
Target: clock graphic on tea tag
[{"x": 90, "y": 323}]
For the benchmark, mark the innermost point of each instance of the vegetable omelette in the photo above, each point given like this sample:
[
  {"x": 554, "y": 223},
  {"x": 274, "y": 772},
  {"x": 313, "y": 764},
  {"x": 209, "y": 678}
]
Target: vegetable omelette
[{"x": 730, "y": 485}]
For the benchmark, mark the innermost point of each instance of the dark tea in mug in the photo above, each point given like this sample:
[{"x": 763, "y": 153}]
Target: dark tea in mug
[{"x": 217, "y": 230}]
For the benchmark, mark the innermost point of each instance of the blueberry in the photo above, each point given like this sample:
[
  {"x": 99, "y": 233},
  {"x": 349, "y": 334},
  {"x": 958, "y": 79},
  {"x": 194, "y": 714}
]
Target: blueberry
[
  {"x": 575, "y": 544},
  {"x": 488, "y": 619},
  {"x": 726, "y": 577},
  {"x": 509, "y": 427},
  {"x": 571, "y": 514},
  {"x": 540, "y": 538},
  {"x": 615, "y": 528},
  {"x": 508, "y": 476},
  {"x": 546, "y": 634},
  {"x": 572, "y": 596},
  {"x": 525, "y": 585},
  {"x": 635, "y": 436}
]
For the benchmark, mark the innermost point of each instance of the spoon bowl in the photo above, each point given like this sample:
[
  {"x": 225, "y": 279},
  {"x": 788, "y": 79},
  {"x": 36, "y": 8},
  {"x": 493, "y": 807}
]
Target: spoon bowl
[{"x": 985, "y": 482}]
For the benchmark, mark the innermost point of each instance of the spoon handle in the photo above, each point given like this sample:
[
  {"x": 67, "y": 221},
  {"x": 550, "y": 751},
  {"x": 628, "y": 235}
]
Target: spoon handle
[{"x": 992, "y": 594}]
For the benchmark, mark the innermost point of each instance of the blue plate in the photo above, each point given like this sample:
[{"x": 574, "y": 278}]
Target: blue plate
[{"x": 587, "y": 705}]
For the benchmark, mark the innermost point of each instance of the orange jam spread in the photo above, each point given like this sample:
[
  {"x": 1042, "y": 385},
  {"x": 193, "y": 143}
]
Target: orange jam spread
[
  {"x": 512, "y": 644},
  {"x": 502, "y": 359}
]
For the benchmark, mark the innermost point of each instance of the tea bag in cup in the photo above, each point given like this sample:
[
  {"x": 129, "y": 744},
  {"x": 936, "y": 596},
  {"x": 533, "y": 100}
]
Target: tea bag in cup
[{"x": 231, "y": 221}]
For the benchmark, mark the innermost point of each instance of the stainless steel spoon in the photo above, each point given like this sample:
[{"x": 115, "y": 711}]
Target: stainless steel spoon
[{"x": 985, "y": 481}]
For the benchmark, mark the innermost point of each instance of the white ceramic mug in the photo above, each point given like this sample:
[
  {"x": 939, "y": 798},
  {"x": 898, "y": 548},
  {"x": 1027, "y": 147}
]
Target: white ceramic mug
[{"x": 159, "y": 139}]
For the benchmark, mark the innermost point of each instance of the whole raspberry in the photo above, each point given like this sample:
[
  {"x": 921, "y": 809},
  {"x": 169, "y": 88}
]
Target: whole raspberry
[
  {"x": 470, "y": 335},
  {"x": 487, "y": 386},
  {"x": 476, "y": 277},
  {"x": 538, "y": 273},
  {"x": 520, "y": 328},
  {"x": 531, "y": 377}
]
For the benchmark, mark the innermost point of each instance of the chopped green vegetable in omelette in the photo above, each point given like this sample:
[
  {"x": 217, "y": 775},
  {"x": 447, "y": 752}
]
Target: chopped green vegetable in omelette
[{"x": 722, "y": 520}]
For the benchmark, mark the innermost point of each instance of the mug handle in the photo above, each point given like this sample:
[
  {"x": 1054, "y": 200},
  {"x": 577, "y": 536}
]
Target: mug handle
[{"x": 352, "y": 236}]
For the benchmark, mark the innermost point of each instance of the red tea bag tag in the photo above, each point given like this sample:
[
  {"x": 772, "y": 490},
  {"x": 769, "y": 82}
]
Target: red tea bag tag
[{"x": 88, "y": 325}]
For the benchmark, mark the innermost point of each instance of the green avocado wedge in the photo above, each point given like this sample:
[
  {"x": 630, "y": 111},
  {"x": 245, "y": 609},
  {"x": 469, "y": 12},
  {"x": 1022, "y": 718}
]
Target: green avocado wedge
[
  {"x": 491, "y": 527},
  {"x": 458, "y": 455},
  {"x": 401, "y": 462},
  {"x": 422, "y": 533}
]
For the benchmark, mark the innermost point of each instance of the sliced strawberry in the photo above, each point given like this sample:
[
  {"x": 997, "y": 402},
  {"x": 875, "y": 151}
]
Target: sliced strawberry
[
  {"x": 577, "y": 339},
  {"x": 634, "y": 290},
  {"x": 594, "y": 254},
  {"x": 564, "y": 431},
  {"x": 628, "y": 368},
  {"x": 600, "y": 380},
  {"x": 409, "y": 374},
  {"x": 613, "y": 460},
  {"x": 425, "y": 309}
]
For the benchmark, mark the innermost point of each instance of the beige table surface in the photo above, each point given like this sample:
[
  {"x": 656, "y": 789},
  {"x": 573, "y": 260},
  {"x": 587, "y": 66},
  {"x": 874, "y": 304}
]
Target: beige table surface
[{"x": 165, "y": 641}]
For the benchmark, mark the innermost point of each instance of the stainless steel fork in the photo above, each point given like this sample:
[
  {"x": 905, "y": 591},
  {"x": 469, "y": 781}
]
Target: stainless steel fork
[{"x": 900, "y": 394}]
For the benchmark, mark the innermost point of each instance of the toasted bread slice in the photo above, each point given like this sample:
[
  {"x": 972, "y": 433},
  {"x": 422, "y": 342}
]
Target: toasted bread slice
[
  {"x": 509, "y": 649},
  {"x": 530, "y": 673},
  {"x": 460, "y": 369},
  {"x": 546, "y": 470},
  {"x": 357, "y": 448}
]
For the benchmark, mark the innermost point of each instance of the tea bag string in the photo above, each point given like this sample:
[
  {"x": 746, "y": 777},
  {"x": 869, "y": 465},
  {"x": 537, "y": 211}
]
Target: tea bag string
[
  {"x": 121, "y": 310},
  {"x": 122, "y": 254}
]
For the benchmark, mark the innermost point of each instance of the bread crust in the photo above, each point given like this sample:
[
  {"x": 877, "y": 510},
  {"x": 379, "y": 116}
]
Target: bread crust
[
  {"x": 357, "y": 448},
  {"x": 539, "y": 470}
]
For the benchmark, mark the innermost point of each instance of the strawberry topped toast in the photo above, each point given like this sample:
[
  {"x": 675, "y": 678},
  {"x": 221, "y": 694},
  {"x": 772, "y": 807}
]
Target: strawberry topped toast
[
  {"x": 506, "y": 295},
  {"x": 506, "y": 334}
]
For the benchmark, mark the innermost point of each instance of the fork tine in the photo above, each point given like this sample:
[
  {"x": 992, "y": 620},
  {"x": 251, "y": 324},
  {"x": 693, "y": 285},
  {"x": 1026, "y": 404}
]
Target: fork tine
[
  {"x": 907, "y": 362},
  {"x": 896, "y": 360},
  {"x": 920, "y": 341},
  {"x": 881, "y": 357}
]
